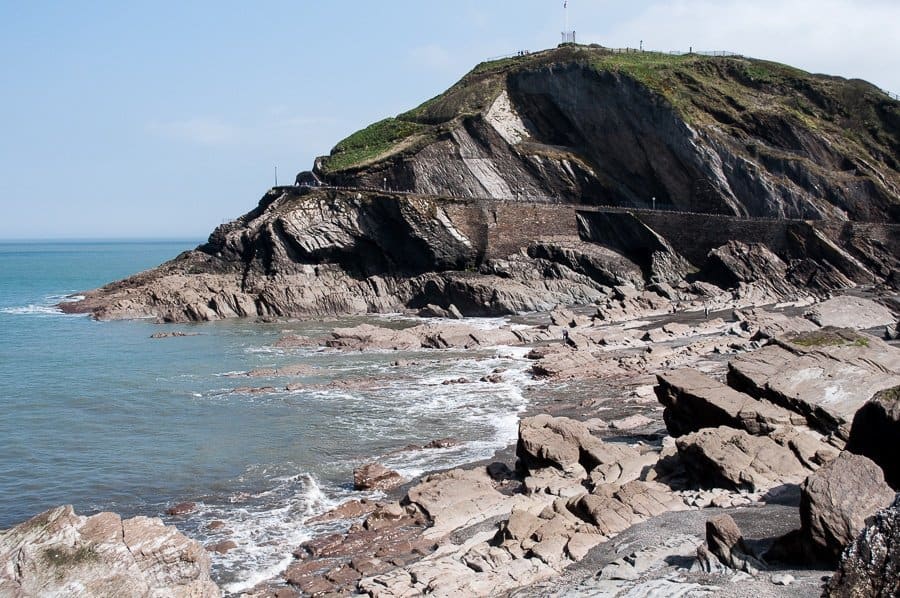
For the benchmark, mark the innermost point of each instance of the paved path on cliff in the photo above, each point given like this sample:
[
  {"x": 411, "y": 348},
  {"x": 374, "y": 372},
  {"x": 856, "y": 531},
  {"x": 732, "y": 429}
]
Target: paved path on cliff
[{"x": 546, "y": 200}]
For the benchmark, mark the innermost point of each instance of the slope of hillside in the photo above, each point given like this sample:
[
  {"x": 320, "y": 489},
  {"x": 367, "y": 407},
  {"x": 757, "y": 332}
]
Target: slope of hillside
[
  {"x": 498, "y": 176},
  {"x": 583, "y": 124}
]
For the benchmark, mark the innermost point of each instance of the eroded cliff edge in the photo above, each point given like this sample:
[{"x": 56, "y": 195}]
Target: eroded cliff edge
[{"x": 555, "y": 177}]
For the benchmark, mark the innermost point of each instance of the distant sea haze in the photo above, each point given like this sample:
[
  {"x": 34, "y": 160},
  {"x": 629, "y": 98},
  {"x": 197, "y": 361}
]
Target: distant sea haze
[{"x": 101, "y": 416}]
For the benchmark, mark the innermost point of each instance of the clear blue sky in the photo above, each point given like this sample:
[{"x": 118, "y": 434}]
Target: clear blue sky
[{"x": 162, "y": 119}]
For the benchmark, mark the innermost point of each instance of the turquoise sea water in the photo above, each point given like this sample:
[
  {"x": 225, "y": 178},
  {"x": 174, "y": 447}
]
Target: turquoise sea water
[{"x": 101, "y": 416}]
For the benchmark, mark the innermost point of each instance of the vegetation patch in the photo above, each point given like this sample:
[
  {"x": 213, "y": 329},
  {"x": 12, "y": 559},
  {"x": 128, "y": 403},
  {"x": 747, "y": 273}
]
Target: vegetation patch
[
  {"x": 888, "y": 395},
  {"x": 69, "y": 557},
  {"x": 369, "y": 143},
  {"x": 830, "y": 338}
]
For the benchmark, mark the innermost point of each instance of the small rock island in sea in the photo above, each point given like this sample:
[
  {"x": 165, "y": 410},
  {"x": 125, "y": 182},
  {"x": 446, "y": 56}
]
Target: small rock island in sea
[{"x": 708, "y": 251}]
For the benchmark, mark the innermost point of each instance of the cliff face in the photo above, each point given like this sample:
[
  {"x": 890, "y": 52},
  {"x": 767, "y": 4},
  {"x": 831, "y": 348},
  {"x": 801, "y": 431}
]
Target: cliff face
[
  {"x": 704, "y": 134},
  {"x": 499, "y": 174}
]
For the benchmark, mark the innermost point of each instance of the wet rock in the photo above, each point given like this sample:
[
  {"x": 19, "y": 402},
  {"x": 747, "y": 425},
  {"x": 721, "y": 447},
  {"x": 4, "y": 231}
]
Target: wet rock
[
  {"x": 870, "y": 566},
  {"x": 366, "y": 336},
  {"x": 694, "y": 401},
  {"x": 436, "y": 311},
  {"x": 294, "y": 369},
  {"x": 836, "y": 500},
  {"x": 826, "y": 375},
  {"x": 731, "y": 458},
  {"x": 175, "y": 334},
  {"x": 182, "y": 508},
  {"x": 60, "y": 553},
  {"x": 440, "y": 443},
  {"x": 254, "y": 390},
  {"x": 350, "y": 509},
  {"x": 292, "y": 341},
  {"x": 374, "y": 476},
  {"x": 847, "y": 311},
  {"x": 222, "y": 547},
  {"x": 875, "y": 430}
]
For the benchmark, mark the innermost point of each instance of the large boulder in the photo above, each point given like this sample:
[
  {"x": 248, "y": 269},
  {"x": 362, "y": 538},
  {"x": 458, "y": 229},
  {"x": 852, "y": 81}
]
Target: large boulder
[
  {"x": 60, "y": 553},
  {"x": 847, "y": 311},
  {"x": 875, "y": 433},
  {"x": 730, "y": 458},
  {"x": 826, "y": 375},
  {"x": 694, "y": 401},
  {"x": 870, "y": 566},
  {"x": 550, "y": 441},
  {"x": 568, "y": 445},
  {"x": 836, "y": 500}
]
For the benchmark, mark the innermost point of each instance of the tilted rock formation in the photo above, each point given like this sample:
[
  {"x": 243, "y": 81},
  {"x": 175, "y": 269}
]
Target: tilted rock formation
[
  {"x": 730, "y": 458},
  {"x": 61, "y": 553},
  {"x": 491, "y": 172},
  {"x": 827, "y": 374},
  {"x": 694, "y": 401},
  {"x": 695, "y": 133}
]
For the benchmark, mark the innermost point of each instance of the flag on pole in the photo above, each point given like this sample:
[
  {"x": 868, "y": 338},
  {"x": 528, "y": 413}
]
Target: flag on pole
[{"x": 565, "y": 3}]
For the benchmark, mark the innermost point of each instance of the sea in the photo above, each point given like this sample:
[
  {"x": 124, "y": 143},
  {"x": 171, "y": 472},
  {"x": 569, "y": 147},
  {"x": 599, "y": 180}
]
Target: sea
[{"x": 101, "y": 416}]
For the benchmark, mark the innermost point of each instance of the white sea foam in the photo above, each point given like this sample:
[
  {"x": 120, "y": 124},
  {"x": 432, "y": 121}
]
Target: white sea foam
[
  {"x": 267, "y": 520},
  {"x": 33, "y": 309},
  {"x": 266, "y": 526}
]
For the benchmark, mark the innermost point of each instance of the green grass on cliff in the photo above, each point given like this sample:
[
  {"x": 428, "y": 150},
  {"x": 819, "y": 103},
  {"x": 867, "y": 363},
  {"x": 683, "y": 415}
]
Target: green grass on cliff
[
  {"x": 754, "y": 99},
  {"x": 371, "y": 142}
]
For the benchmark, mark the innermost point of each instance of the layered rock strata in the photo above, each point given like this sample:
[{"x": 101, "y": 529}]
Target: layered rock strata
[{"x": 63, "y": 554}]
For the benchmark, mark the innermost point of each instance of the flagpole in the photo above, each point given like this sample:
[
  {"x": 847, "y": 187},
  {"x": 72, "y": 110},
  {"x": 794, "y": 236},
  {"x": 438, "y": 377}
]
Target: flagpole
[{"x": 566, "y": 10}]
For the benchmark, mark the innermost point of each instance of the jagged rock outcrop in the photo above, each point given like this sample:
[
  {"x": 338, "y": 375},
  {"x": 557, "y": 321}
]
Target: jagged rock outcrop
[
  {"x": 870, "y": 566},
  {"x": 374, "y": 476},
  {"x": 725, "y": 541},
  {"x": 63, "y": 554},
  {"x": 532, "y": 127},
  {"x": 543, "y": 133},
  {"x": 694, "y": 401}
]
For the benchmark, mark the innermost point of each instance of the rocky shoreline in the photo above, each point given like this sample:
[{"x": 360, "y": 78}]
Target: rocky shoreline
[
  {"x": 656, "y": 423},
  {"x": 573, "y": 486}
]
